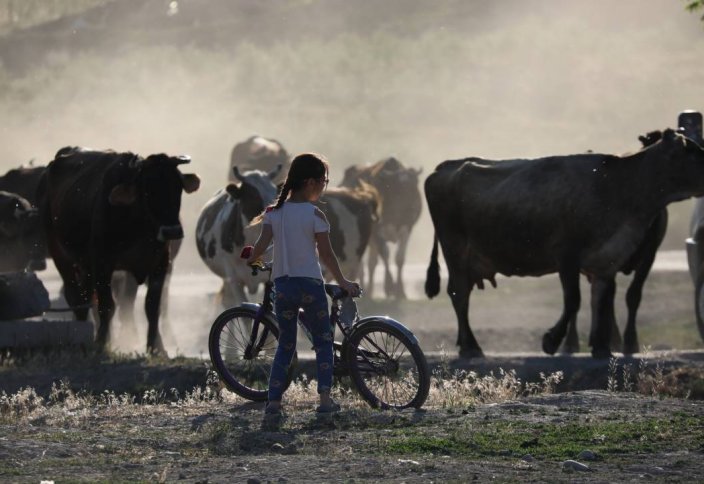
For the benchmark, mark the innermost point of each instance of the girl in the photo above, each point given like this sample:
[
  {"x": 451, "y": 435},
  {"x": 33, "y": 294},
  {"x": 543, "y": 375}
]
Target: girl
[{"x": 298, "y": 228}]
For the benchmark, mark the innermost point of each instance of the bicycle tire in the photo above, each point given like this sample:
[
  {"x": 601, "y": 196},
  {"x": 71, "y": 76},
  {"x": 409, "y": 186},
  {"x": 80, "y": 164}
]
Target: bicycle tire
[
  {"x": 229, "y": 335},
  {"x": 384, "y": 376}
]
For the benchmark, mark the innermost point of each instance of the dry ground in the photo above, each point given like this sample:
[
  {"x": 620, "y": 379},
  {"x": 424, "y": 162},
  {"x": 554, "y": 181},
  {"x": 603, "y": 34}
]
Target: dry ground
[{"x": 117, "y": 418}]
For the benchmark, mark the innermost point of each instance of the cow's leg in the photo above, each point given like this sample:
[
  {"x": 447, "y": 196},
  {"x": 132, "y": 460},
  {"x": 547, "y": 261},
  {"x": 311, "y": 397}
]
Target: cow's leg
[
  {"x": 603, "y": 317},
  {"x": 125, "y": 289},
  {"x": 569, "y": 278},
  {"x": 400, "y": 260},
  {"x": 571, "y": 344},
  {"x": 165, "y": 323},
  {"x": 459, "y": 289},
  {"x": 372, "y": 259},
  {"x": 74, "y": 291},
  {"x": 388, "y": 279},
  {"x": 106, "y": 304},
  {"x": 152, "y": 302},
  {"x": 633, "y": 298}
]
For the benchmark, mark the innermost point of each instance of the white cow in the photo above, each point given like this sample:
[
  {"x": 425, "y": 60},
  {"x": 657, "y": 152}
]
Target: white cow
[{"x": 223, "y": 228}]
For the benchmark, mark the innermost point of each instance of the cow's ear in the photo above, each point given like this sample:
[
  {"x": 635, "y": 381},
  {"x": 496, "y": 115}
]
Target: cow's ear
[
  {"x": 191, "y": 182},
  {"x": 232, "y": 190},
  {"x": 669, "y": 135},
  {"x": 123, "y": 194}
]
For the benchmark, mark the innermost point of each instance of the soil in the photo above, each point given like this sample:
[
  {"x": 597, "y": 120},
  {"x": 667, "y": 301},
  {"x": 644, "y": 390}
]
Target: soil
[{"x": 649, "y": 426}]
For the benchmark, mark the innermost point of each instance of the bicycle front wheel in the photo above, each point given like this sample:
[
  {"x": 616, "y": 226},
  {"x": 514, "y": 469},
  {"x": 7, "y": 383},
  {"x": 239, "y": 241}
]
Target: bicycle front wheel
[
  {"x": 387, "y": 367},
  {"x": 241, "y": 356}
]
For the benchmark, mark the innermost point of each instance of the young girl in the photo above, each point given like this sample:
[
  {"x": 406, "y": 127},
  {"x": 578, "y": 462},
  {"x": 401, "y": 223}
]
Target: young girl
[{"x": 298, "y": 228}]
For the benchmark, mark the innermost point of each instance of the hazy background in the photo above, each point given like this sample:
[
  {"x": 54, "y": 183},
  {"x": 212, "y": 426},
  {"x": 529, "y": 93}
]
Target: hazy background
[{"x": 356, "y": 80}]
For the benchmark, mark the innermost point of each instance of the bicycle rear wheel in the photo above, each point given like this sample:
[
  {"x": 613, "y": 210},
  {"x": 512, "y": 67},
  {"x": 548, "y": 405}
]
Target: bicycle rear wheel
[
  {"x": 387, "y": 367},
  {"x": 241, "y": 357}
]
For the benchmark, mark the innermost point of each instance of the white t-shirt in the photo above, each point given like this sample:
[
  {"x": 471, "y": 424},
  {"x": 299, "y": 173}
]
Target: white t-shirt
[{"x": 295, "y": 252}]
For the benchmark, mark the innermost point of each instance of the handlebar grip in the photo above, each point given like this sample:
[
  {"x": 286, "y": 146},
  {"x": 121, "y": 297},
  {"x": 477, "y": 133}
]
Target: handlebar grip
[{"x": 257, "y": 266}]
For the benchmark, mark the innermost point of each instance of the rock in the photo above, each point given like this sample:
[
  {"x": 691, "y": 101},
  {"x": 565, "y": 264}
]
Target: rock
[
  {"x": 253, "y": 480},
  {"x": 573, "y": 465},
  {"x": 528, "y": 458},
  {"x": 587, "y": 455}
]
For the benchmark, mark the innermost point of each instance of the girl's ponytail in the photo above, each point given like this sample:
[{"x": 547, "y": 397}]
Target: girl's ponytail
[{"x": 285, "y": 190}]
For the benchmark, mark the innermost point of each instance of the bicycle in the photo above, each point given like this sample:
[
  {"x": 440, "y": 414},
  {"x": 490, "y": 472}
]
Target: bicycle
[{"x": 380, "y": 355}]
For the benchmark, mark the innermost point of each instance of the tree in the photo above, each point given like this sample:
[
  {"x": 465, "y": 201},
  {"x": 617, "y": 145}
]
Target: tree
[{"x": 695, "y": 5}]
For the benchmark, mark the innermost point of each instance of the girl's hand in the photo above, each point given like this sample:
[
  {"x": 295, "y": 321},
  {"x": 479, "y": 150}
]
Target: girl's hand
[{"x": 352, "y": 288}]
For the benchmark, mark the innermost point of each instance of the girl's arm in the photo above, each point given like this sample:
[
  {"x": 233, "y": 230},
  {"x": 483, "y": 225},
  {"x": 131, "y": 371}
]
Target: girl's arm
[
  {"x": 330, "y": 260},
  {"x": 260, "y": 246}
]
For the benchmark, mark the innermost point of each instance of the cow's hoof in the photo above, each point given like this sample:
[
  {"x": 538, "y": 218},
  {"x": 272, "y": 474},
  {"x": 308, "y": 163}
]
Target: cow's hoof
[
  {"x": 631, "y": 349},
  {"x": 549, "y": 344},
  {"x": 471, "y": 353},
  {"x": 569, "y": 350},
  {"x": 601, "y": 353}
]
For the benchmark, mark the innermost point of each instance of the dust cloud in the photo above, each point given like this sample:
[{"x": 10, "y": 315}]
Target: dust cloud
[{"x": 423, "y": 81}]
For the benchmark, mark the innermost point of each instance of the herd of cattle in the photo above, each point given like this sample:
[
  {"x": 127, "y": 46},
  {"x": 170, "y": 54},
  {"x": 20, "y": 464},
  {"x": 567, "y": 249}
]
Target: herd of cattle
[{"x": 110, "y": 221}]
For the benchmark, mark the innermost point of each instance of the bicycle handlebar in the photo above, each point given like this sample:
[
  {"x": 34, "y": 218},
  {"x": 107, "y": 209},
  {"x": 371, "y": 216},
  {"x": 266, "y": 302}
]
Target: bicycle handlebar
[{"x": 260, "y": 266}]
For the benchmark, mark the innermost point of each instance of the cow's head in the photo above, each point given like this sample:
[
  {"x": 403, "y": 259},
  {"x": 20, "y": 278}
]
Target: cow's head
[
  {"x": 255, "y": 191},
  {"x": 259, "y": 153},
  {"x": 20, "y": 234},
  {"x": 679, "y": 165},
  {"x": 155, "y": 190}
]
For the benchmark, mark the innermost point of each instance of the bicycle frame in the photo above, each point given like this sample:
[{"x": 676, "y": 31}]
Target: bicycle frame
[{"x": 257, "y": 341}]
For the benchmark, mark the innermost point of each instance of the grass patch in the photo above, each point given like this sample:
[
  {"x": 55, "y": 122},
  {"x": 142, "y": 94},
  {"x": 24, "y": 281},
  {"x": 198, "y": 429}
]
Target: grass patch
[{"x": 553, "y": 441}]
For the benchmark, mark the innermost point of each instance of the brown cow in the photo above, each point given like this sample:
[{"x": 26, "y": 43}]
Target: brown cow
[{"x": 401, "y": 202}]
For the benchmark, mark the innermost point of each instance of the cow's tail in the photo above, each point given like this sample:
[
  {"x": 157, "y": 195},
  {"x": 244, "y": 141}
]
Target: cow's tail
[{"x": 432, "y": 278}]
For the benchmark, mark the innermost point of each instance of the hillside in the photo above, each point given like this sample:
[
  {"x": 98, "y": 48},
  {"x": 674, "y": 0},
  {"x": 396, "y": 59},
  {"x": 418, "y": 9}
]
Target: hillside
[{"x": 425, "y": 81}]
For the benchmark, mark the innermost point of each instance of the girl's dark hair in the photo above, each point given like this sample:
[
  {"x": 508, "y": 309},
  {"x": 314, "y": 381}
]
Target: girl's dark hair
[{"x": 303, "y": 167}]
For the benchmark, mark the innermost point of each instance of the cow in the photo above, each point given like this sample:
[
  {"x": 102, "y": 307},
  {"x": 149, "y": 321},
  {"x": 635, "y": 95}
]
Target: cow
[
  {"x": 401, "y": 201},
  {"x": 21, "y": 243},
  {"x": 105, "y": 211},
  {"x": 23, "y": 181},
  {"x": 352, "y": 214},
  {"x": 259, "y": 153},
  {"x": 564, "y": 214},
  {"x": 224, "y": 227},
  {"x": 639, "y": 264}
]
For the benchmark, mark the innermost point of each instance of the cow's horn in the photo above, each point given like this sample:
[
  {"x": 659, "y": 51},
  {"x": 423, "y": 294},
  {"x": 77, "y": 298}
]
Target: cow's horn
[
  {"x": 236, "y": 172},
  {"x": 182, "y": 159},
  {"x": 275, "y": 172}
]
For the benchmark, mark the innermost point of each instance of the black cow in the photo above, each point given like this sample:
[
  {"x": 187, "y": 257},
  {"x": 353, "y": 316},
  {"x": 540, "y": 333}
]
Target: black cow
[
  {"x": 639, "y": 264},
  {"x": 568, "y": 214},
  {"x": 105, "y": 211},
  {"x": 20, "y": 235},
  {"x": 23, "y": 181}
]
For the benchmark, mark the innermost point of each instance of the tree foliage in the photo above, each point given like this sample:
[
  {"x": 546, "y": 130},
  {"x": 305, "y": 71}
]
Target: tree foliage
[{"x": 695, "y": 6}]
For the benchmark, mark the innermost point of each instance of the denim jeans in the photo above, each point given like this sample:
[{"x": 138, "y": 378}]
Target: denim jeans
[{"x": 292, "y": 294}]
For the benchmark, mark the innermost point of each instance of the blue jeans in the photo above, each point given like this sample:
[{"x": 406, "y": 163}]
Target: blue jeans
[{"x": 292, "y": 294}]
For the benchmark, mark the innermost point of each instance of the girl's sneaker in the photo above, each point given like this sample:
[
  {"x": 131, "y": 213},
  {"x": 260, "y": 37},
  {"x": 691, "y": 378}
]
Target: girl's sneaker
[{"x": 330, "y": 408}]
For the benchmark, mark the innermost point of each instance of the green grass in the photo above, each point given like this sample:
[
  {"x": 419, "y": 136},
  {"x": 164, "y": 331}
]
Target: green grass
[{"x": 553, "y": 441}]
